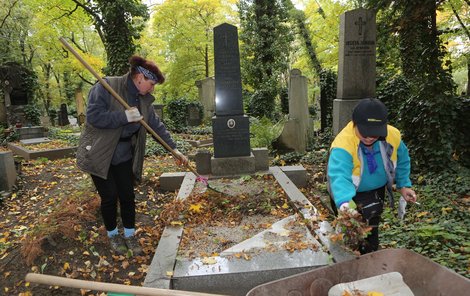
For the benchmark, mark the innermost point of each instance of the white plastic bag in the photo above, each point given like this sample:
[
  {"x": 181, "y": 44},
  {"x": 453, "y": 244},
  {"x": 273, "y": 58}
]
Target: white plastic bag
[{"x": 401, "y": 208}]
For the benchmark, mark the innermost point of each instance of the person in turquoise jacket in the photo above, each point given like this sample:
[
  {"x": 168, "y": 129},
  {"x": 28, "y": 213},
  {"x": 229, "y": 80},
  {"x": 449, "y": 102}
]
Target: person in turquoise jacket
[{"x": 366, "y": 158}]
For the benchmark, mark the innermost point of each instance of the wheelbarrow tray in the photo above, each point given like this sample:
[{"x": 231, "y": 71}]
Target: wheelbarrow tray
[{"x": 422, "y": 275}]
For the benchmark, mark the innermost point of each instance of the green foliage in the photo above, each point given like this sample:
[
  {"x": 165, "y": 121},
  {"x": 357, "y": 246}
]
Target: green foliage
[
  {"x": 264, "y": 132},
  {"x": 393, "y": 90},
  {"x": 265, "y": 47},
  {"x": 177, "y": 111},
  {"x": 439, "y": 227},
  {"x": 120, "y": 23},
  {"x": 71, "y": 136},
  {"x": 328, "y": 81},
  {"x": 153, "y": 147},
  {"x": 32, "y": 114},
  {"x": 288, "y": 158},
  {"x": 462, "y": 132},
  {"x": 427, "y": 114},
  {"x": 10, "y": 136},
  {"x": 181, "y": 40}
]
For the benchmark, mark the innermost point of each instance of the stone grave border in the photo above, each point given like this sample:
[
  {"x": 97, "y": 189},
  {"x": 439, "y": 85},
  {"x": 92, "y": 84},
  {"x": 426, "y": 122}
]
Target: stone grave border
[
  {"x": 161, "y": 269},
  {"x": 50, "y": 154}
]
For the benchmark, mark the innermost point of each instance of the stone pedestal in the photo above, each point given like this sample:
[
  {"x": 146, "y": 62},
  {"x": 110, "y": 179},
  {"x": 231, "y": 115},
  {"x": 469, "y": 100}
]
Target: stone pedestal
[
  {"x": 342, "y": 113},
  {"x": 231, "y": 136},
  {"x": 203, "y": 161},
  {"x": 232, "y": 166}
]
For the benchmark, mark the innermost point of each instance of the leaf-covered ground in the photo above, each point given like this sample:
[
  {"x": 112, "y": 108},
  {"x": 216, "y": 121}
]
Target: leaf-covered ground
[{"x": 51, "y": 224}]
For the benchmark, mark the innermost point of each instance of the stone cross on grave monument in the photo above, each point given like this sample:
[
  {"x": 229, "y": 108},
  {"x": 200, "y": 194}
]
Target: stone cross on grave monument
[
  {"x": 356, "y": 68},
  {"x": 230, "y": 127}
]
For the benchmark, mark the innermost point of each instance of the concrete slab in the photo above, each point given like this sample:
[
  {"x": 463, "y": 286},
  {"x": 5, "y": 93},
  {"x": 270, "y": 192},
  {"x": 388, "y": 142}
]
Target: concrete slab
[
  {"x": 35, "y": 141},
  {"x": 171, "y": 181},
  {"x": 232, "y": 276},
  {"x": 232, "y": 166},
  {"x": 161, "y": 268},
  {"x": 277, "y": 236},
  {"x": 160, "y": 271},
  {"x": 322, "y": 228},
  {"x": 297, "y": 173}
]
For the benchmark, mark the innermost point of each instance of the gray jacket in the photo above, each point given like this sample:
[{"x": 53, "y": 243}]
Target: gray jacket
[{"x": 96, "y": 146}]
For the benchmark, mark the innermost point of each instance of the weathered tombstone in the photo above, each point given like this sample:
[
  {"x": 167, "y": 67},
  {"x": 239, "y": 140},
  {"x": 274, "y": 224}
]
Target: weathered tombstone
[
  {"x": 194, "y": 117},
  {"x": 63, "y": 118},
  {"x": 230, "y": 127},
  {"x": 206, "y": 90},
  {"x": 7, "y": 171},
  {"x": 356, "y": 69},
  {"x": 295, "y": 133},
  {"x": 159, "y": 110}
]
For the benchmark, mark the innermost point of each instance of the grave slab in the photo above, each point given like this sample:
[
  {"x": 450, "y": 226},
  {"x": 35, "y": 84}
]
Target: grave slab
[
  {"x": 50, "y": 154},
  {"x": 268, "y": 259},
  {"x": 33, "y": 141}
]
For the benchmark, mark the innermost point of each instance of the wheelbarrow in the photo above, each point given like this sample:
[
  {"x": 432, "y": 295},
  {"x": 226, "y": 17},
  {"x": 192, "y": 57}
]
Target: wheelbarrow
[{"x": 423, "y": 276}]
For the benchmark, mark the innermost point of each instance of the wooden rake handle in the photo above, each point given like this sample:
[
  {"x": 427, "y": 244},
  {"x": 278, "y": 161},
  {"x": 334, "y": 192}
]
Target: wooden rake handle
[
  {"x": 108, "y": 287},
  {"x": 122, "y": 101}
]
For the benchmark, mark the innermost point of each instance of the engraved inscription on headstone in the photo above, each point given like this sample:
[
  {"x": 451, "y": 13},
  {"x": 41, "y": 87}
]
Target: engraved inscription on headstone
[{"x": 356, "y": 69}]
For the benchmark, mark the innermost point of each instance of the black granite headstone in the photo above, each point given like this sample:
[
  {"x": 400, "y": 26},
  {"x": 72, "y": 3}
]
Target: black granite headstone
[
  {"x": 230, "y": 127},
  {"x": 228, "y": 85}
]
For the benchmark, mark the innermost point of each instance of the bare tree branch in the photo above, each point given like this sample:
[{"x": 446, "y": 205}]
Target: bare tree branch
[
  {"x": 84, "y": 79},
  {"x": 460, "y": 21},
  {"x": 10, "y": 9},
  {"x": 98, "y": 22}
]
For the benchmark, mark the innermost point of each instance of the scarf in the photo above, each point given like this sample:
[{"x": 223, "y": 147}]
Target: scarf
[{"x": 370, "y": 156}]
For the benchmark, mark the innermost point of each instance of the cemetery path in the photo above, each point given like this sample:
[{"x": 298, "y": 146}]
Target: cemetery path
[{"x": 51, "y": 225}]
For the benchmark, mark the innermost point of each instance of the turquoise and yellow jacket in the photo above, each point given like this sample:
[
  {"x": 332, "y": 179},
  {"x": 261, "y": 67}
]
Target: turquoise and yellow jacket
[{"x": 347, "y": 173}]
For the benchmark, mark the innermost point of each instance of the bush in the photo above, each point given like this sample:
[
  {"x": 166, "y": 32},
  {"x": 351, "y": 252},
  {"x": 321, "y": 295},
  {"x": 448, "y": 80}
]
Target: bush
[
  {"x": 264, "y": 132},
  {"x": 177, "y": 111}
]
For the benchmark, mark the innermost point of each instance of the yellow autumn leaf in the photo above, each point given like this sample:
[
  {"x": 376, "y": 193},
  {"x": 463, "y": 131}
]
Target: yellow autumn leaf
[
  {"x": 169, "y": 273},
  {"x": 176, "y": 223},
  {"x": 446, "y": 210},
  {"x": 209, "y": 260},
  {"x": 66, "y": 266},
  {"x": 195, "y": 208},
  {"x": 374, "y": 293},
  {"x": 421, "y": 214},
  {"x": 285, "y": 206}
]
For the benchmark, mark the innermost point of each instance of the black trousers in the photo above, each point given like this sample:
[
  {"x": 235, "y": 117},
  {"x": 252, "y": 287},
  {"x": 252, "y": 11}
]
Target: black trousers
[
  {"x": 370, "y": 205},
  {"x": 119, "y": 186}
]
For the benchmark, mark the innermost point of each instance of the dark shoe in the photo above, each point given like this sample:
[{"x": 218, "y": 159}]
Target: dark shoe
[
  {"x": 118, "y": 245},
  {"x": 133, "y": 244}
]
